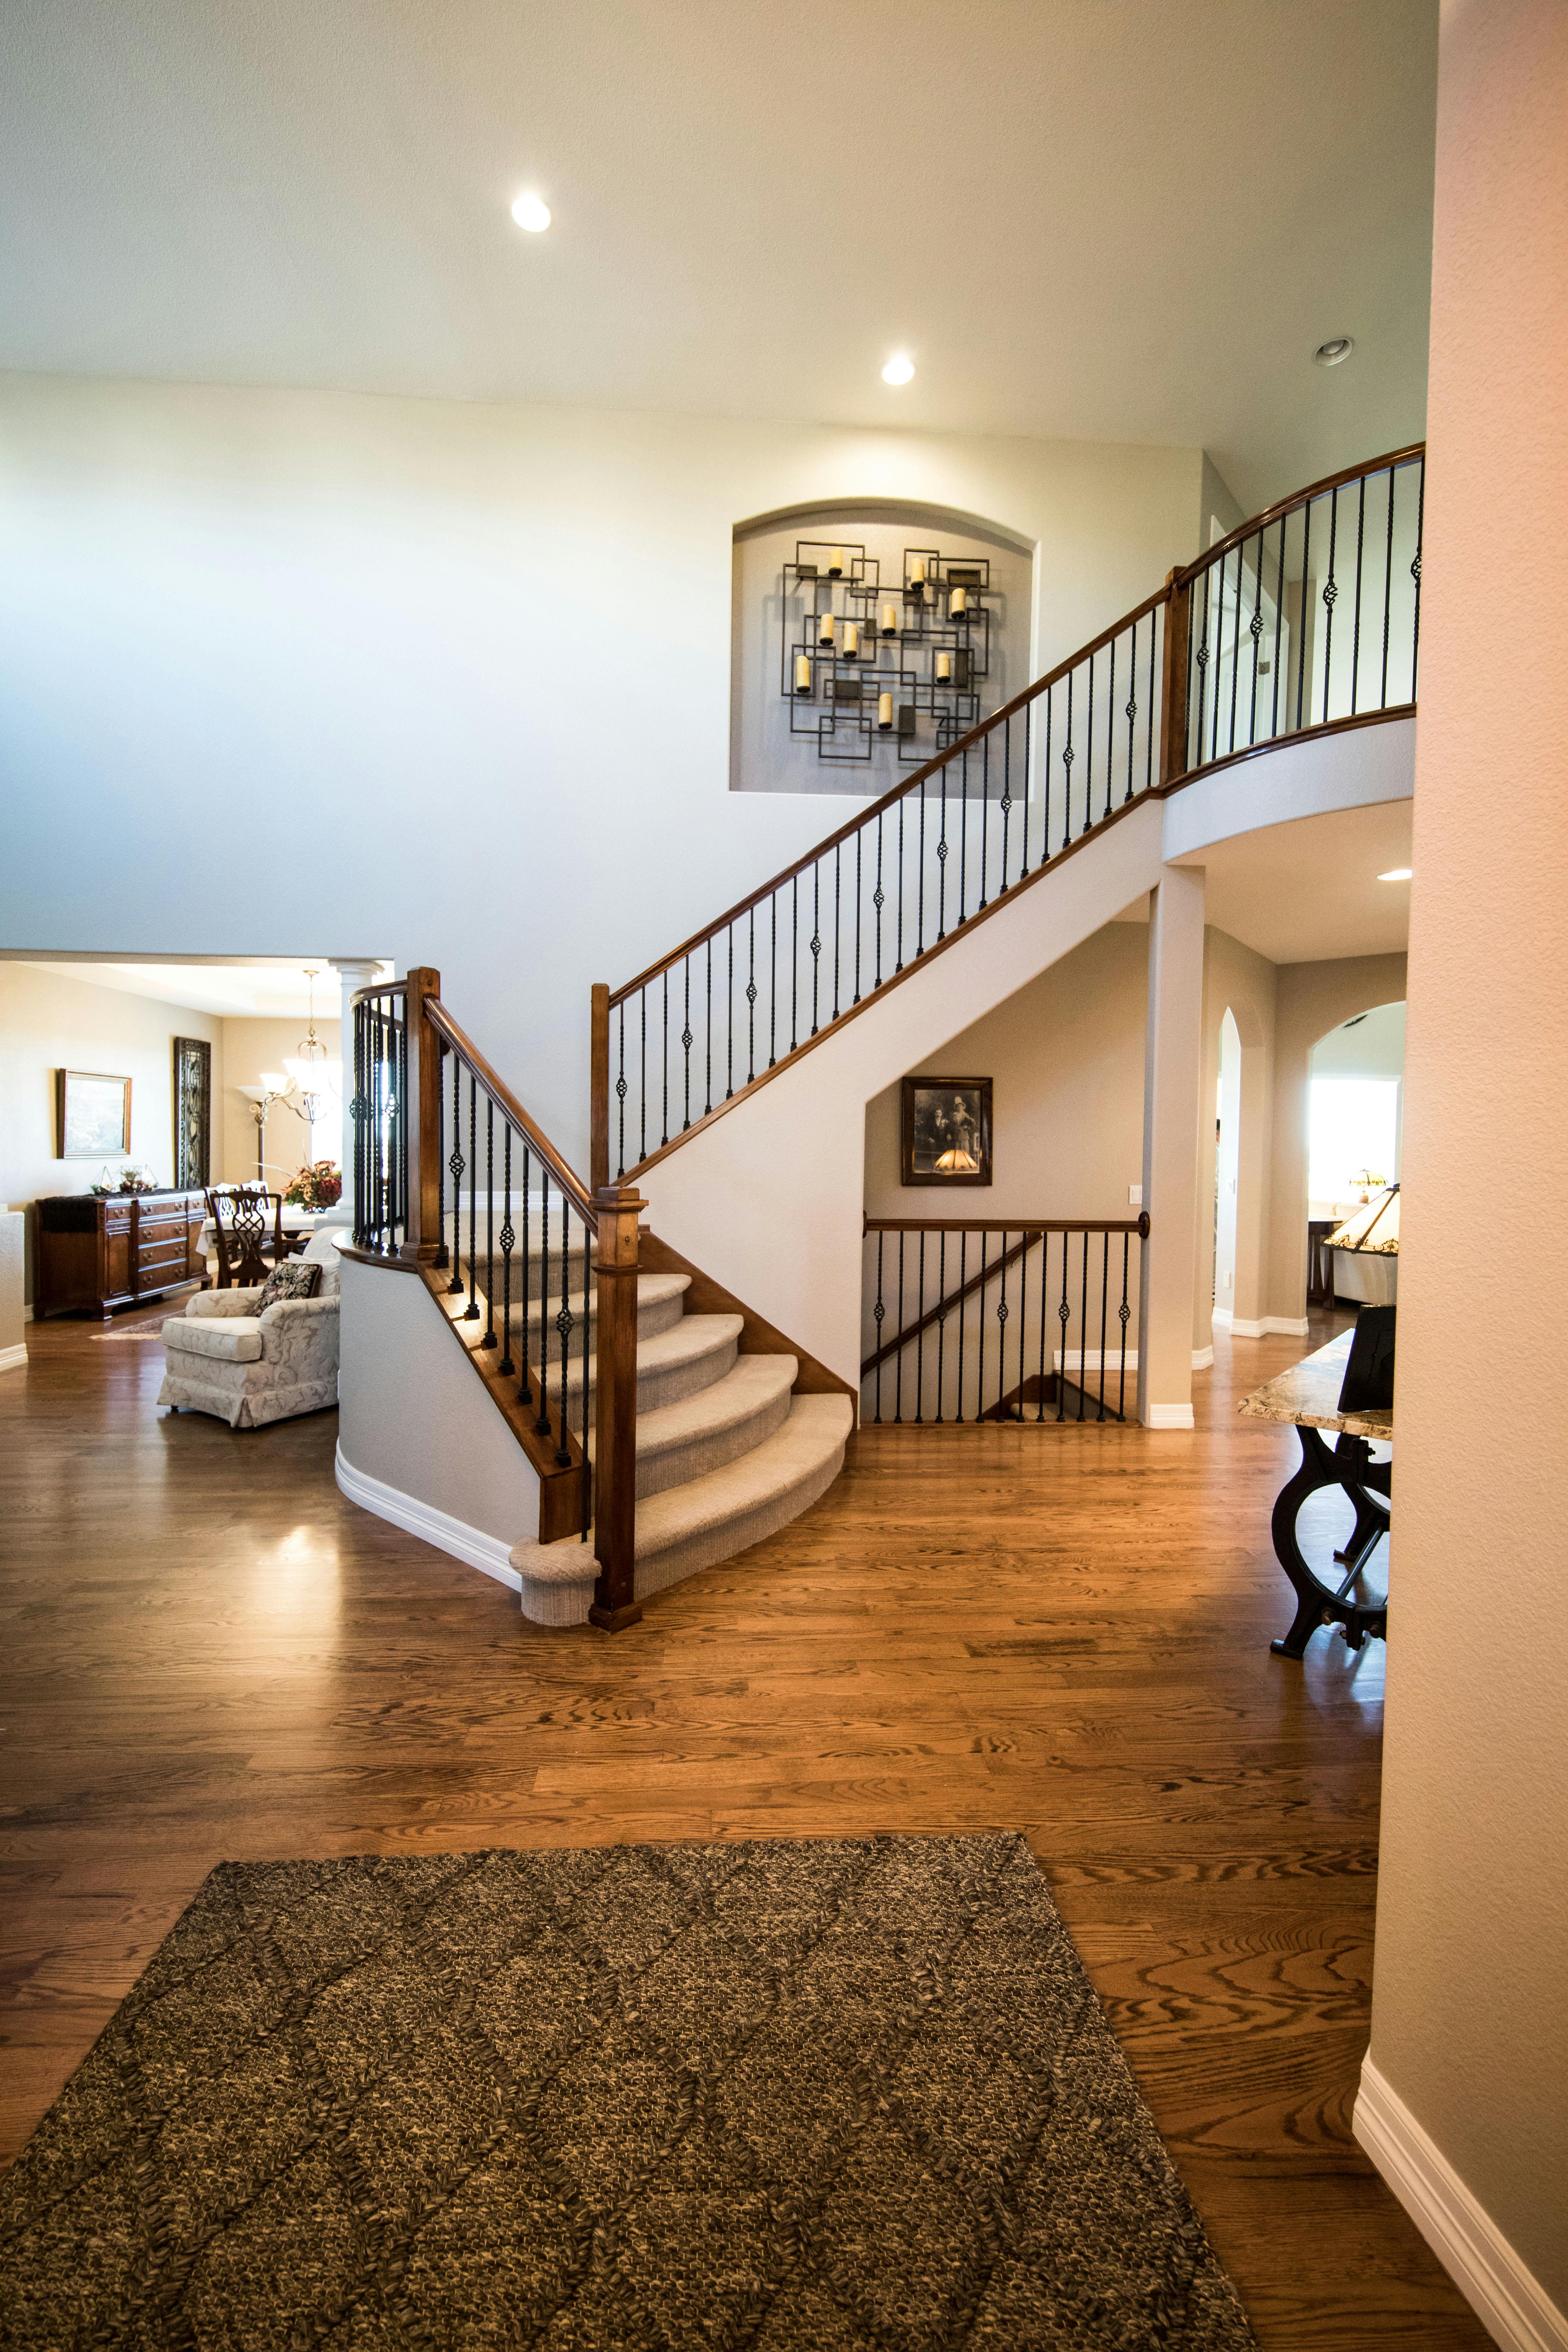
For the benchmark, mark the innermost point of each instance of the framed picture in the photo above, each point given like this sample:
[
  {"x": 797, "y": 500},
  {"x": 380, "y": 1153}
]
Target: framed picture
[
  {"x": 193, "y": 1112},
  {"x": 946, "y": 1131},
  {"x": 93, "y": 1114}
]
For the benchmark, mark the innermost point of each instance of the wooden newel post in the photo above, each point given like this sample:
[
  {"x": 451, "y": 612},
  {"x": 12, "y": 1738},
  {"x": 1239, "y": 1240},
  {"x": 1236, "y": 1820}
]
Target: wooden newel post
[
  {"x": 598, "y": 1089},
  {"x": 421, "y": 1232},
  {"x": 618, "y": 1207},
  {"x": 1173, "y": 682}
]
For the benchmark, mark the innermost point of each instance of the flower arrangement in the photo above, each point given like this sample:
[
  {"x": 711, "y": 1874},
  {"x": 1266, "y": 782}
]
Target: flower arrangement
[
  {"x": 130, "y": 1179},
  {"x": 318, "y": 1186}
]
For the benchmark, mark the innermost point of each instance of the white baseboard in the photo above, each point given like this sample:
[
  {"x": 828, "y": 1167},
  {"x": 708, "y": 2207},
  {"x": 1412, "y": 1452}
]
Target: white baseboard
[
  {"x": 1169, "y": 1416},
  {"x": 1244, "y": 1327},
  {"x": 1203, "y": 1359},
  {"x": 13, "y": 1359},
  {"x": 487, "y": 1553},
  {"x": 1510, "y": 2302},
  {"x": 1223, "y": 1318},
  {"x": 1289, "y": 1326}
]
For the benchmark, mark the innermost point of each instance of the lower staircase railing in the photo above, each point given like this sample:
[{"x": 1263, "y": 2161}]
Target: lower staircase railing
[
  {"x": 1023, "y": 1321},
  {"x": 538, "y": 1279}
]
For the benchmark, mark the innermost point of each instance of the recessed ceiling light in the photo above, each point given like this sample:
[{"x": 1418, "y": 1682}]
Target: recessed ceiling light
[
  {"x": 1337, "y": 348},
  {"x": 900, "y": 369},
  {"x": 530, "y": 212},
  {"x": 1397, "y": 873}
]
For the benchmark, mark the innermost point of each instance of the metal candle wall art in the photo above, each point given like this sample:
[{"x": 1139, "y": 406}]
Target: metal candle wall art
[{"x": 901, "y": 663}]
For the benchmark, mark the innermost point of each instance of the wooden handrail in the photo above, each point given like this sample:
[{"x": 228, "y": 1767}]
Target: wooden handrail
[
  {"x": 1185, "y": 573},
  {"x": 889, "y": 799},
  {"x": 1138, "y": 1224},
  {"x": 505, "y": 1101},
  {"x": 944, "y": 1307}
]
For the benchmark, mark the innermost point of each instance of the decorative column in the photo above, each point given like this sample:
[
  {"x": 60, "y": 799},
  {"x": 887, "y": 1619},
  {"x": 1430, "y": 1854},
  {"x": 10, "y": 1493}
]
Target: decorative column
[
  {"x": 355, "y": 972},
  {"x": 1172, "y": 1088}
]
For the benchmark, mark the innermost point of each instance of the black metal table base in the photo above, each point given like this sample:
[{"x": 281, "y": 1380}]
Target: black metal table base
[{"x": 1349, "y": 1464}]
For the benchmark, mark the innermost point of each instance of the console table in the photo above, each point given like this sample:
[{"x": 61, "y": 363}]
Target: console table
[
  {"x": 1309, "y": 1395},
  {"x": 107, "y": 1250}
]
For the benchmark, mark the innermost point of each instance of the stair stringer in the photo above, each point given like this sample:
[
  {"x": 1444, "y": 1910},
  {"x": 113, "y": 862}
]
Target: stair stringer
[{"x": 770, "y": 1198}]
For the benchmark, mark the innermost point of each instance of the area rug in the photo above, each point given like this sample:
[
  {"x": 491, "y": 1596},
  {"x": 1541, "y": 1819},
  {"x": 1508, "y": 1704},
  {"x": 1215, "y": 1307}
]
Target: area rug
[
  {"x": 134, "y": 1331},
  {"x": 850, "y": 2095}
]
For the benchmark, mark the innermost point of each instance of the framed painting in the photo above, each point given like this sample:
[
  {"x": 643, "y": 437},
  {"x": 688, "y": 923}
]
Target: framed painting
[
  {"x": 93, "y": 1115},
  {"x": 946, "y": 1131},
  {"x": 193, "y": 1113}
]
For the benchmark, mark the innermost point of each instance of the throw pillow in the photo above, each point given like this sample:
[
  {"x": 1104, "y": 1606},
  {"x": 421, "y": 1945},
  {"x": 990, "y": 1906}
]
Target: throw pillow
[{"x": 293, "y": 1279}]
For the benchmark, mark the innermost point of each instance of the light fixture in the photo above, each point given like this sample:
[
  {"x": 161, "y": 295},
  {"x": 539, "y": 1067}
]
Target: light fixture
[
  {"x": 532, "y": 213},
  {"x": 1337, "y": 348},
  {"x": 900, "y": 369},
  {"x": 1397, "y": 873}
]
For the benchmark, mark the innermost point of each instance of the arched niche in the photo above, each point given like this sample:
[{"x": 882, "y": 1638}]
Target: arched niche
[{"x": 828, "y": 738}]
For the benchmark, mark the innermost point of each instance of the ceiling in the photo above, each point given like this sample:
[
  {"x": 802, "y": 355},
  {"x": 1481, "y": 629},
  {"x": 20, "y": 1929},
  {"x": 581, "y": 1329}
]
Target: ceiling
[
  {"x": 1106, "y": 219},
  {"x": 243, "y": 990},
  {"x": 1301, "y": 893}
]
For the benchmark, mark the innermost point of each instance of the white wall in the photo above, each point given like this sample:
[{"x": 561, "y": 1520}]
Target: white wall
[
  {"x": 1464, "y": 2097},
  {"x": 453, "y": 676},
  {"x": 49, "y": 1022}
]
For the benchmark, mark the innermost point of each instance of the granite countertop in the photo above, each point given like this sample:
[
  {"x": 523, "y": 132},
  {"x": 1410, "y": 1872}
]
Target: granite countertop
[{"x": 1310, "y": 1392}]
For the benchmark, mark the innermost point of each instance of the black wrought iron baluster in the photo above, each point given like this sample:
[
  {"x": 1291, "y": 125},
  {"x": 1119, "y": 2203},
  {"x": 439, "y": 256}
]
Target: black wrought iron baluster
[
  {"x": 642, "y": 1077},
  {"x": 584, "y": 1405},
  {"x": 1219, "y": 656},
  {"x": 1124, "y": 1315},
  {"x": 401, "y": 1121},
  {"x": 1067, "y": 757},
  {"x": 1109, "y": 725},
  {"x": 773, "y": 978},
  {"x": 1064, "y": 1315},
  {"x": 1202, "y": 658},
  {"x": 664, "y": 1117},
  {"x": 1045, "y": 1321},
  {"x": 1083, "y": 1336},
  {"x": 686, "y": 1041},
  {"x": 899, "y": 933},
  {"x": 1415, "y": 572},
  {"x": 963, "y": 1286},
  {"x": 1105, "y": 1281},
  {"x": 1255, "y": 631},
  {"x": 940, "y": 1318},
  {"x": 1002, "y": 1333},
  {"x": 1133, "y": 703},
  {"x": 730, "y": 1002},
  {"x": 1153, "y": 703},
  {"x": 439, "y": 1259},
  {"x": 1331, "y": 598},
  {"x": 920, "y": 1333},
  {"x": 1301, "y": 649},
  {"x": 878, "y": 900},
  {"x": 708, "y": 1028},
  {"x": 838, "y": 917},
  {"x": 1355, "y": 618},
  {"x": 524, "y": 1384},
  {"x": 1088, "y": 750},
  {"x": 1278, "y": 629},
  {"x": 1029, "y": 787},
  {"x": 1044, "y": 856},
  {"x": 356, "y": 1114},
  {"x": 1236, "y": 650},
  {"x": 879, "y": 1316},
  {"x": 471, "y": 1311},
  {"x": 490, "y": 1340},
  {"x": 541, "y": 1420},
  {"x": 899, "y": 1357},
  {"x": 980, "y": 1329},
  {"x": 621, "y": 1096},
  {"x": 984, "y": 822},
  {"x": 457, "y": 1164},
  {"x": 859, "y": 836},
  {"x": 1005, "y": 804},
  {"x": 1023, "y": 1314},
  {"x": 751, "y": 994},
  {"x": 794, "y": 960},
  {"x": 565, "y": 1325},
  {"x": 1388, "y": 595},
  {"x": 508, "y": 1244},
  {"x": 815, "y": 942},
  {"x": 920, "y": 880},
  {"x": 942, "y": 861},
  {"x": 377, "y": 1202}
]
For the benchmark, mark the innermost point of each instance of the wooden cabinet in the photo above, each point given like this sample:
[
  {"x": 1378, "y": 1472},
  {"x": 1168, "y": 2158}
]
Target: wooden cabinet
[{"x": 107, "y": 1253}]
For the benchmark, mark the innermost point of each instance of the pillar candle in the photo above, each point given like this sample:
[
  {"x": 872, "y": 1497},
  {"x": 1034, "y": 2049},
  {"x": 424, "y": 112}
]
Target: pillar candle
[
  {"x": 890, "y": 620},
  {"x": 836, "y": 564},
  {"x": 918, "y": 573},
  {"x": 802, "y": 674},
  {"x": 851, "y": 640},
  {"x": 944, "y": 669},
  {"x": 824, "y": 629},
  {"x": 958, "y": 604},
  {"x": 884, "y": 710}
]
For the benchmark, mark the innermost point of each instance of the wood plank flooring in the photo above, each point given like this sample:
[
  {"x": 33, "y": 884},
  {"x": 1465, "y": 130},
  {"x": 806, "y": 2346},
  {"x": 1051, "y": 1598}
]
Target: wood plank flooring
[{"x": 208, "y": 1652}]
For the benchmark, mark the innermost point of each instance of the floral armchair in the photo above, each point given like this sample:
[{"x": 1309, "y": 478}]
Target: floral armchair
[{"x": 250, "y": 1369}]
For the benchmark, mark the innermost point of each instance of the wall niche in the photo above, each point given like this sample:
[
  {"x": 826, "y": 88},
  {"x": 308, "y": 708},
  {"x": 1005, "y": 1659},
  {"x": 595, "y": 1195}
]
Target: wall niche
[{"x": 867, "y": 636}]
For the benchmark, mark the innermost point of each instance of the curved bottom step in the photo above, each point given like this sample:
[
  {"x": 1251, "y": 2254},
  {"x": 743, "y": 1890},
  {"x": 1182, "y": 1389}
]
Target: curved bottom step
[{"x": 707, "y": 1520}]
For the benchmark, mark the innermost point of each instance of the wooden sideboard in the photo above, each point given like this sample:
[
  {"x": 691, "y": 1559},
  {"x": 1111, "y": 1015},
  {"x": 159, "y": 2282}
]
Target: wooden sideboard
[{"x": 103, "y": 1252}]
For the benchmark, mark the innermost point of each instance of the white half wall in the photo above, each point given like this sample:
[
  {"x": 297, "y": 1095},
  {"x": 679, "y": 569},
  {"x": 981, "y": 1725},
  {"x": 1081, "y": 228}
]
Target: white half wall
[{"x": 769, "y": 1199}]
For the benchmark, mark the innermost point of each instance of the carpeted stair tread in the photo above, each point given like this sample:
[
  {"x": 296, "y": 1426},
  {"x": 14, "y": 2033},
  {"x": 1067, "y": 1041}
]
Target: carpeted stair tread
[{"x": 715, "y": 1425}]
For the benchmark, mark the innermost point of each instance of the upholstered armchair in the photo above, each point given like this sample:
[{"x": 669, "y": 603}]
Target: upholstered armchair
[{"x": 250, "y": 1369}]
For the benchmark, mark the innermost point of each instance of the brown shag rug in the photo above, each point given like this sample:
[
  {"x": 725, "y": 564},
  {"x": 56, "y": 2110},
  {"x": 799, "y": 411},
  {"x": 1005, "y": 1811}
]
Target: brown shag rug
[{"x": 838, "y": 2096}]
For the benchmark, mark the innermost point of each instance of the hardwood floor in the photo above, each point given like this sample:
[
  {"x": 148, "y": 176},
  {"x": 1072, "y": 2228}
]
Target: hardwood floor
[{"x": 210, "y": 1653}]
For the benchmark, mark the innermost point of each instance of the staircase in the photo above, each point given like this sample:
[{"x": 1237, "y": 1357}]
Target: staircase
[{"x": 725, "y": 1454}]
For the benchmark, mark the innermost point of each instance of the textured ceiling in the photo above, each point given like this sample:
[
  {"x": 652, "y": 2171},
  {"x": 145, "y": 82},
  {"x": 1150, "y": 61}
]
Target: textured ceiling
[{"x": 1110, "y": 219}]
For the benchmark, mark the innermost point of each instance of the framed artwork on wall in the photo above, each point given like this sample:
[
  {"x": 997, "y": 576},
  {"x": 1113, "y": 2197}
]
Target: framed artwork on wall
[
  {"x": 93, "y": 1114},
  {"x": 193, "y": 1112},
  {"x": 946, "y": 1131}
]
